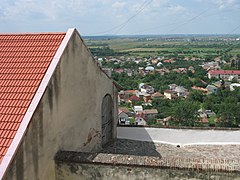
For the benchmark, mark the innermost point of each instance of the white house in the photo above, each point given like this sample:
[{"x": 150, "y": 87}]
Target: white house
[
  {"x": 144, "y": 88},
  {"x": 149, "y": 68},
  {"x": 123, "y": 118},
  {"x": 138, "y": 109},
  {"x": 233, "y": 86},
  {"x": 211, "y": 89},
  {"x": 139, "y": 120}
]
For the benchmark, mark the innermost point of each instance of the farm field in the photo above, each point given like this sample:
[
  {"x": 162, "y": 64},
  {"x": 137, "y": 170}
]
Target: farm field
[{"x": 201, "y": 47}]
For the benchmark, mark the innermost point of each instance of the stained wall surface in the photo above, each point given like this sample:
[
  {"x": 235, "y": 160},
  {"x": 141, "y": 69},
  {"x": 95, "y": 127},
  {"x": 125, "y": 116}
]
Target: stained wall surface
[
  {"x": 68, "y": 116},
  {"x": 76, "y": 171}
]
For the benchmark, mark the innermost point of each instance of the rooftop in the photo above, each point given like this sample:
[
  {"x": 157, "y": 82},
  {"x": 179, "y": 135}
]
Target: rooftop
[
  {"x": 24, "y": 59},
  {"x": 150, "y": 111},
  {"x": 224, "y": 72}
]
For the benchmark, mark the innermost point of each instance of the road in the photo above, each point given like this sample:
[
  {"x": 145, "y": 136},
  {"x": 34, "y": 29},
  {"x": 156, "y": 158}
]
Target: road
[{"x": 180, "y": 137}]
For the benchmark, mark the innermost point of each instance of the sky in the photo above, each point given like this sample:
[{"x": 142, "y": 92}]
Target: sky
[{"x": 121, "y": 17}]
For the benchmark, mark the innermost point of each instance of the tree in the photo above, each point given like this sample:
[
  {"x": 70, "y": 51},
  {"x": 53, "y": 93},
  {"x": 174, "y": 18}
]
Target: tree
[
  {"x": 164, "y": 107},
  {"x": 185, "y": 112},
  {"x": 227, "y": 115},
  {"x": 196, "y": 96}
]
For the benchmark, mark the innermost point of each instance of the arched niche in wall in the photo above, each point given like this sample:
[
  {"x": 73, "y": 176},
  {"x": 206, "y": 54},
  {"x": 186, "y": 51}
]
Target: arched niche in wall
[{"x": 107, "y": 119}]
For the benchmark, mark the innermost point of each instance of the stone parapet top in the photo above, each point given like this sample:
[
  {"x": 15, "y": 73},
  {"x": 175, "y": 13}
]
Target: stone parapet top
[
  {"x": 184, "y": 127},
  {"x": 137, "y": 153}
]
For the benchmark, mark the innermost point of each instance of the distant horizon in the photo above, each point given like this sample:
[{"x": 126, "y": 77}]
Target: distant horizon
[
  {"x": 118, "y": 35},
  {"x": 121, "y": 17}
]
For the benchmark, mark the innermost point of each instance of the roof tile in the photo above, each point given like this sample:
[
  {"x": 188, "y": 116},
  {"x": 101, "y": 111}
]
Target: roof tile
[
  {"x": 24, "y": 58},
  {"x": 216, "y": 72}
]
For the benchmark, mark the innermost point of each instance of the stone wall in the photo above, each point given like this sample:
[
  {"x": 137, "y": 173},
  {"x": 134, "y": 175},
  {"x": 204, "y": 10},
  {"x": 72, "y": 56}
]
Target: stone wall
[
  {"x": 75, "y": 171},
  {"x": 217, "y": 165}
]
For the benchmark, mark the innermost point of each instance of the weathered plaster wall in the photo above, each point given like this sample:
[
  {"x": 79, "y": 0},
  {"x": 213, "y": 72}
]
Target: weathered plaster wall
[
  {"x": 68, "y": 116},
  {"x": 76, "y": 171}
]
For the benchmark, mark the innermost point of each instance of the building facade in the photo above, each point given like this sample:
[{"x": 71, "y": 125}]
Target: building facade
[
  {"x": 74, "y": 106},
  {"x": 228, "y": 75}
]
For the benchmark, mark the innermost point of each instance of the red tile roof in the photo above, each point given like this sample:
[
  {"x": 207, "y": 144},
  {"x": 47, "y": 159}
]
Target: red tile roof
[
  {"x": 130, "y": 91},
  {"x": 24, "y": 58},
  {"x": 216, "y": 72},
  {"x": 124, "y": 109},
  {"x": 168, "y": 91},
  {"x": 150, "y": 111},
  {"x": 134, "y": 98},
  {"x": 157, "y": 94}
]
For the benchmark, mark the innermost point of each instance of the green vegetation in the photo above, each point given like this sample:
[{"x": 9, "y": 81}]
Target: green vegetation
[
  {"x": 161, "y": 82},
  {"x": 185, "y": 113},
  {"x": 145, "y": 47},
  {"x": 132, "y": 120},
  {"x": 225, "y": 104},
  {"x": 105, "y": 51},
  {"x": 185, "y": 52}
]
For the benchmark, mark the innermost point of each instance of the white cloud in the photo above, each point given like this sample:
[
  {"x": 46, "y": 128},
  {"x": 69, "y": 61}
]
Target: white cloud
[
  {"x": 118, "y": 4},
  {"x": 175, "y": 9},
  {"x": 50, "y": 9},
  {"x": 99, "y": 15},
  {"x": 222, "y": 4}
]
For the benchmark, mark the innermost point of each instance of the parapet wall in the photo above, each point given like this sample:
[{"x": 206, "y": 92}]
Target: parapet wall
[
  {"x": 198, "y": 164},
  {"x": 77, "y": 171},
  {"x": 129, "y": 159}
]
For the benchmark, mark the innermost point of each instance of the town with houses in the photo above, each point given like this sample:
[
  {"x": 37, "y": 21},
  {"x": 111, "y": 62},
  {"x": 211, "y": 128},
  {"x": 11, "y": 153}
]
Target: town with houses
[
  {"x": 145, "y": 89},
  {"x": 137, "y": 105}
]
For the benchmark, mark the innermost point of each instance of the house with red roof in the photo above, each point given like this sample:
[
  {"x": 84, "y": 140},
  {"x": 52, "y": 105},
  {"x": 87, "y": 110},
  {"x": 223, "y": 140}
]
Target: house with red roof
[
  {"x": 224, "y": 74},
  {"x": 45, "y": 79},
  {"x": 133, "y": 99},
  {"x": 124, "y": 95},
  {"x": 130, "y": 92},
  {"x": 204, "y": 90},
  {"x": 150, "y": 113},
  {"x": 157, "y": 95},
  {"x": 169, "y": 61}
]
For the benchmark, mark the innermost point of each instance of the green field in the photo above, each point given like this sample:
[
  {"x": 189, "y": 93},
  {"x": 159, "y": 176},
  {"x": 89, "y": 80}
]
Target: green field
[{"x": 144, "y": 47}]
